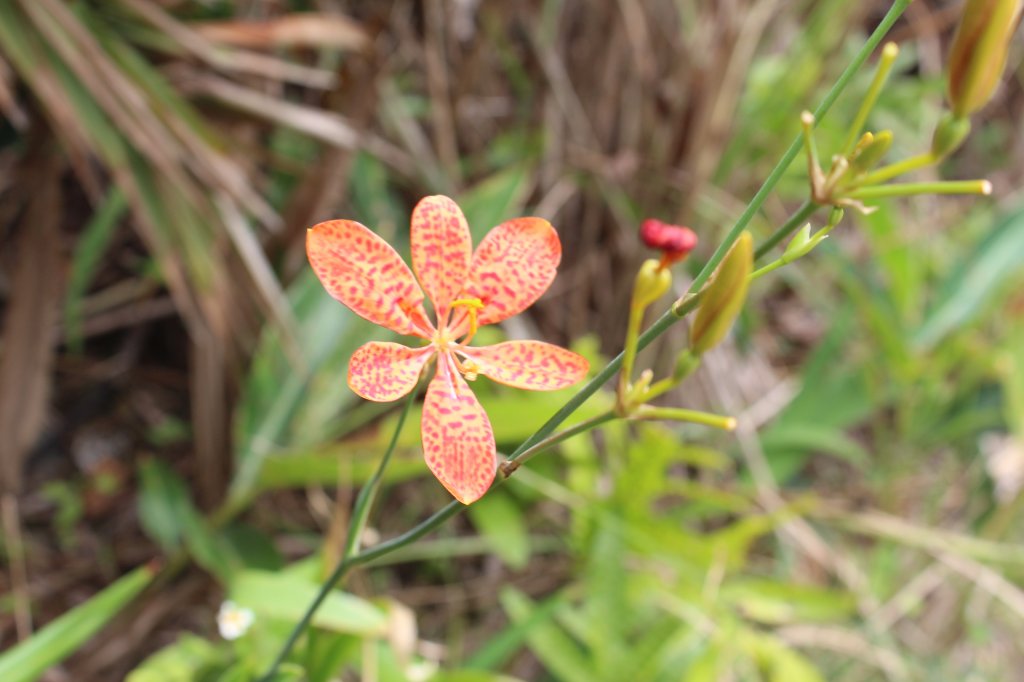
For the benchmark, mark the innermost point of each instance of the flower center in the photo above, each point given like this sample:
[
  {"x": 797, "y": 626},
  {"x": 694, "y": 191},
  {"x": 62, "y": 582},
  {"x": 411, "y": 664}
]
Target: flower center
[{"x": 448, "y": 345}]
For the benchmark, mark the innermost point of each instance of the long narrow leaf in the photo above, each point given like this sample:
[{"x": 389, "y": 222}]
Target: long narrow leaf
[{"x": 58, "y": 640}]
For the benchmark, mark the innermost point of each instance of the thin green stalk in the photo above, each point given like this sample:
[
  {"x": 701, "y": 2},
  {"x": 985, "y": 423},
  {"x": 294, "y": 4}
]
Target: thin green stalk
[
  {"x": 895, "y": 169},
  {"x": 636, "y": 318},
  {"x": 678, "y": 414},
  {"x": 906, "y": 189},
  {"x": 794, "y": 223},
  {"x": 670, "y": 317},
  {"x": 885, "y": 62},
  {"x": 364, "y": 501},
  {"x": 771, "y": 267},
  {"x": 773, "y": 178},
  {"x": 510, "y": 466}
]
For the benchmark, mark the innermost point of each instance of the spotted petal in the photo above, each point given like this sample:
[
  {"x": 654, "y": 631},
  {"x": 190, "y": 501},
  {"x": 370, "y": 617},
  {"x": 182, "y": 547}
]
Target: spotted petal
[
  {"x": 533, "y": 365},
  {"x": 362, "y": 271},
  {"x": 458, "y": 442},
  {"x": 441, "y": 250},
  {"x": 513, "y": 265},
  {"x": 382, "y": 371}
]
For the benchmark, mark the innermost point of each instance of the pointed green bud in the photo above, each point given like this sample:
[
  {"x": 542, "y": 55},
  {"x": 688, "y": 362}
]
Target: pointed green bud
[
  {"x": 724, "y": 296},
  {"x": 866, "y": 157},
  {"x": 978, "y": 55},
  {"x": 803, "y": 242},
  {"x": 652, "y": 281},
  {"x": 799, "y": 245},
  {"x": 949, "y": 135}
]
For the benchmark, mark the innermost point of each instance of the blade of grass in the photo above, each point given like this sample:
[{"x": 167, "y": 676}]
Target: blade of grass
[{"x": 58, "y": 640}]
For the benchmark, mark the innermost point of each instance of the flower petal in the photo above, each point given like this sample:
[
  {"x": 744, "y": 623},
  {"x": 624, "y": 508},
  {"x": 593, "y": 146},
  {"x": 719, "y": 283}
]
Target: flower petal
[
  {"x": 458, "y": 442},
  {"x": 362, "y": 271},
  {"x": 441, "y": 250},
  {"x": 533, "y": 365},
  {"x": 513, "y": 265},
  {"x": 384, "y": 371}
]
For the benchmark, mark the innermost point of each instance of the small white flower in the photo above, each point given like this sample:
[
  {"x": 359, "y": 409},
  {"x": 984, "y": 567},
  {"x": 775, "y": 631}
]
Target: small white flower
[
  {"x": 1004, "y": 461},
  {"x": 233, "y": 620},
  {"x": 421, "y": 671}
]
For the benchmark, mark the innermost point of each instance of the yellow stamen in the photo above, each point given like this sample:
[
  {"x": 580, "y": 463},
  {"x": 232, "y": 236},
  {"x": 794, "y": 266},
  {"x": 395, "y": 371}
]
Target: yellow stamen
[{"x": 472, "y": 305}]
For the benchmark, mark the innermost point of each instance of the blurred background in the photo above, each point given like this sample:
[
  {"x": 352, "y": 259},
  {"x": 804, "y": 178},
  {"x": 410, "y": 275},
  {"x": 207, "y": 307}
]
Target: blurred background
[{"x": 172, "y": 374}]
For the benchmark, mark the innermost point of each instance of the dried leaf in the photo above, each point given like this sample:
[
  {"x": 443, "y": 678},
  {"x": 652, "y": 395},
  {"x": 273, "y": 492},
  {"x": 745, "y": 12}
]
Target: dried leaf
[
  {"x": 29, "y": 328},
  {"x": 294, "y": 30}
]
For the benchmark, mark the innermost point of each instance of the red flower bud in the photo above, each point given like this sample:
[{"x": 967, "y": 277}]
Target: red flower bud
[{"x": 674, "y": 241}]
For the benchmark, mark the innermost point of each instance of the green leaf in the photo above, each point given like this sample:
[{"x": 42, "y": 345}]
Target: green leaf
[
  {"x": 989, "y": 269},
  {"x": 164, "y": 503},
  {"x": 284, "y": 408},
  {"x": 59, "y": 639},
  {"x": 562, "y": 656},
  {"x": 254, "y": 548},
  {"x": 500, "y": 648},
  {"x": 706, "y": 667},
  {"x": 168, "y": 516},
  {"x": 345, "y": 461},
  {"x": 777, "y": 603},
  {"x": 186, "y": 660},
  {"x": 495, "y": 200},
  {"x": 781, "y": 663},
  {"x": 209, "y": 548},
  {"x": 900, "y": 257},
  {"x": 500, "y": 520},
  {"x": 471, "y": 676},
  {"x": 285, "y": 596},
  {"x": 88, "y": 253},
  {"x": 809, "y": 437},
  {"x": 327, "y": 653}
]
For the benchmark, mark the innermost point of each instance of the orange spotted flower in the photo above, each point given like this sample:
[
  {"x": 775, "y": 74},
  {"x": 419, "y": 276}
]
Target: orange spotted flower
[{"x": 510, "y": 269}]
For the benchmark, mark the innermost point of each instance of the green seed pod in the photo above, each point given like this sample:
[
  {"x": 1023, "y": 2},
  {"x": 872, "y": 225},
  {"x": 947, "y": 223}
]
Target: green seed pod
[
  {"x": 724, "y": 296},
  {"x": 949, "y": 135},
  {"x": 978, "y": 55},
  {"x": 652, "y": 281}
]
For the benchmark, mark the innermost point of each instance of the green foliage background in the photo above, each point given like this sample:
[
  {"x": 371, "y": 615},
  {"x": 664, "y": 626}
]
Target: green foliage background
[{"x": 853, "y": 529}]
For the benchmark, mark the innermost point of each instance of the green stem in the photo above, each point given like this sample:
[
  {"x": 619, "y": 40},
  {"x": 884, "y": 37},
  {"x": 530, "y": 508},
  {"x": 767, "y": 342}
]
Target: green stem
[
  {"x": 679, "y": 414},
  {"x": 355, "y": 529},
  {"x": 670, "y": 317},
  {"x": 895, "y": 169},
  {"x": 885, "y": 62},
  {"x": 905, "y": 189},
  {"x": 636, "y": 318},
  {"x": 794, "y": 223},
  {"x": 510, "y": 466},
  {"x": 368, "y": 494},
  {"x": 773, "y": 178},
  {"x": 771, "y": 267}
]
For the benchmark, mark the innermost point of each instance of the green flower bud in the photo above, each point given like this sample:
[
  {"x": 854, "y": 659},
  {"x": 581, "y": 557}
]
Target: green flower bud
[
  {"x": 949, "y": 135},
  {"x": 724, "y": 296},
  {"x": 865, "y": 157},
  {"x": 800, "y": 244},
  {"x": 652, "y": 281},
  {"x": 978, "y": 55}
]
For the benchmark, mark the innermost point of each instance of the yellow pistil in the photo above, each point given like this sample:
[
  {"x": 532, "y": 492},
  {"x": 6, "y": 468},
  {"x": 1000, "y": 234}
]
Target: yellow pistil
[{"x": 472, "y": 305}]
